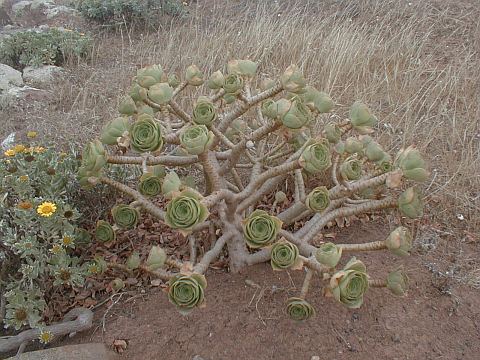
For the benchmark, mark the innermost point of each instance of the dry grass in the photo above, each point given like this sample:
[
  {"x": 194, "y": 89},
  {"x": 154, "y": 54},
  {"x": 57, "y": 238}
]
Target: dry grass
[{"x": 415, "y": 63}]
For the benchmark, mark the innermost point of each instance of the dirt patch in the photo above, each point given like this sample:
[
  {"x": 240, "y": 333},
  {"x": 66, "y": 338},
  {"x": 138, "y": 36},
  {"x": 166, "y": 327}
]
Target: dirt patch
[{"x": 248, "y": 323}]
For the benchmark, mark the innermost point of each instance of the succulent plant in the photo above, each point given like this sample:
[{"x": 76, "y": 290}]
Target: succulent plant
[
  {"x": 145, "y": 134},
  {"x": 185, "y": 210},
  {"x": 150, "y": 185},
  {"x": 328, "y": 254},
  {"x": 187, "y": 291},
  {"x": 298, "y": 309},
  {"x": 397, "y": 282},
  {"x": 318, "y": 199},
  {"x": 350, "y": 284},
  {"x": 104, "y": 231},
  {"x": 126, "y": 217},
  {"x": 255, "y": 143},
  {"x": 284, "y": 255},
  {"x": 260, "y": 229},
  {"x": 196, "y": 139}
]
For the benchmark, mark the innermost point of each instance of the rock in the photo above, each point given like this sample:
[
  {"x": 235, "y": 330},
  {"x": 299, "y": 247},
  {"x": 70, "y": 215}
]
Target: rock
[
  {"x": 19, "y": 7},
  {"x": 4, "y": 18},
  {"x": 42, "y": 76},
  {"x": 8, "y": 142},
  {"x": 16, "y": 95},
  {"x": 59, "y": 10},
  {"x": 315, "y": 357},
  {"x": 9, "y": 77},
  {"x": 70, "y": 352},
  {"x": 37, "y": 4}
]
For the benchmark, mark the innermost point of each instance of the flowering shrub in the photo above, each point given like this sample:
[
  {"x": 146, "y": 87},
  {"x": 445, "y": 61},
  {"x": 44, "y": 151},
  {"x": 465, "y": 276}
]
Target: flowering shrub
[
  {"x": 50, "y": 47},
  {"x": 38, "y": 231}
]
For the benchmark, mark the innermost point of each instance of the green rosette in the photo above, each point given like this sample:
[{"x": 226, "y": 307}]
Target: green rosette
[
  {"x": 353, "y": 146},
  {"x": 292, "y": 80},
  {"x": 297, "y": 116},
  {"x": 361, "y": 118},
  {"x": 349, "y": 285},
  {"x": 260, "y": 229},
  {"x": 284, "y": 255},
  {"x": 269, "y": 109},
  {"x": 318, "y": 199},
  {"x": 156, "y": 258},
  {"x": 316, "y": 157},
  {"x": 412, "y": 164},
  {"x": 328, "y": 254},
  {"x": 299, "y": 309},
  {"x": 160, "y": 93},
  {"x": 397, "y": 282},
  {"x": 149, "y": 75},
  {"x": 410, "y": 203},
  {"x": 171, "y": 184},
  {"x": 196, "y": 139},
  {"x": 114, "y": 129},
  {"x": 104, "y": 231},
  {"x": 194, "y": 76},
  {"x": 317, "y": 100},
  {"x": 351, "y": 169},
  {"x": 145, "y": 134},
  {"x": 127, "y": 106},
  {"x": 94, "y": 159},
  {"x": 150, "y": 185},
  {"x": 399, "y": 242},
  {"x": 204, "y": 112},
  {"x": 126, "y": 217},
  {"x": 187, "y": 291},
  {"x": 332, "y": 133},
  {"x": 216, "y": 80},
  {"x": 185, "y": 211},
  {"x": 233, "y": 84},
  {"x": 242, "y": 67}
]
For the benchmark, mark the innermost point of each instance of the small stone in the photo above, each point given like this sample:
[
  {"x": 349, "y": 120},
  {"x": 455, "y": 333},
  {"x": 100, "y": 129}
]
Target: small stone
[
  {"x": 9, "y": 77},
  {"x": 315, "y": 357},
  {"x": 198, "y": 357},
  {"x": 43, "y": 76},
  {"x": 71, "y": 352}
]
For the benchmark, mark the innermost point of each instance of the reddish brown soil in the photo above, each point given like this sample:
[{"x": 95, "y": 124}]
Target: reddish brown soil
[{"x": 247, "y": 323}]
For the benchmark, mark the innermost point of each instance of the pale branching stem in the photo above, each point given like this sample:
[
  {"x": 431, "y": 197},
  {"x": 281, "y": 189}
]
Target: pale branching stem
[
  {"x": 174, "y": 137},
  {"x": 279, "y": 155},
  {"x": 377, "y": 283},
  {"x": 144, "y": 162},
  {"x": 260, "y": 117},
  {"x": 334, "y": 170},
  {"x": 179, "y": 88},
  {"x": 370, "y": 246},
  {"x": 217, "y": 96},
  {"x": 242, "y": 108},
  {"x": 167, "y": 160},
  {"x": 304, "y": 248},
  {"x": 216, "y": 196},
  {"x": 237, "y": 179},
  {"x": 179, "y": 111},
  {"x": 270, "y": 173},
  {"x": 232, "y": 187},
  {"x": 211, "y": 170},
  {"x": 313, "y": 264},
  {"x": 152, "y": 104},
  {"x": 243, "y": 97},
  {"x": 76, "y": 320},
  {"x": 267, "y": 187},
  {"x": 274, "y": 150},
  {"x": 259, "y": 256},
  {"x": 340, "y": 191},
  {"x": 319, "y": 224},
  {"x": 167, "y": 120},
  {"x": 301, "y": 185},
  {"x": 173, "y": 263},
  {"x": 222, "y": 137},
  {"x": 287, "y": 215},
  {"x": 306, "y": 283},
  {"x": 211, "y": 254},
  {"x": 244, "y": 166},
  {"x": 193, "y": 248},
  {"x": 296, "y": 193},
  {"x": 318, "y": 217},
  {"x": 145, "y": 204}
]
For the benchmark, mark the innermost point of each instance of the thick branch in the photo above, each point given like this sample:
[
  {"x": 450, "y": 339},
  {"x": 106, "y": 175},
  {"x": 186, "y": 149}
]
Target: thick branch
[
  {"x": 179, "y": 111},
  {"x": 75, "y": 320},
  {"x": 370, "y": 246},
  {"x": 212, "y": 254},
  {"x": 306, "y": 283},
  {"x": 167, "y": 160}
]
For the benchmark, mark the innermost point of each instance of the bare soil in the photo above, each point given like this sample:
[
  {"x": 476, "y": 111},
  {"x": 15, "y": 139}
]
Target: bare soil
[{"x": 435, "y": 320}]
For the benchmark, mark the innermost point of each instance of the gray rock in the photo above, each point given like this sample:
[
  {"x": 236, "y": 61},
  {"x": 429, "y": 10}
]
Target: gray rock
[
  {"x": 9, "y": 77},
  {"x": 37, "y": 4},
  {"x": 59, "y": 10},
  {"x": 19, "y": 7},
  {"x": 42, "y": 76},
  {"x": 16, "y": 95},
  {"x": 69, "y": 352}
]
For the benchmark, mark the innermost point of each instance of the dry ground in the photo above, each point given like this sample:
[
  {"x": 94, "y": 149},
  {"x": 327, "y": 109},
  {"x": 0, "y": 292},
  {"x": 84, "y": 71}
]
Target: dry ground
[{"x": 416, "y": 63}]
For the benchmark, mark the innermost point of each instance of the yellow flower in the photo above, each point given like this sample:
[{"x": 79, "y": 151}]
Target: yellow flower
[
  {"x": 25, "y": 205},
  {"x": 45, "y": 337},
  {"x": 19, "y": 148},
  {"x": 32, "y": 134},
  {"x": 28, "y": 150},
  {"x": 67, "y": 240},
  {"x": 39, "y": 149},
  {"x": 56, "y": 249},
  {"x": 9, "y": 152},
  {"x": 23, "y": 178},
  {"x": 46, "y": 209}
]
